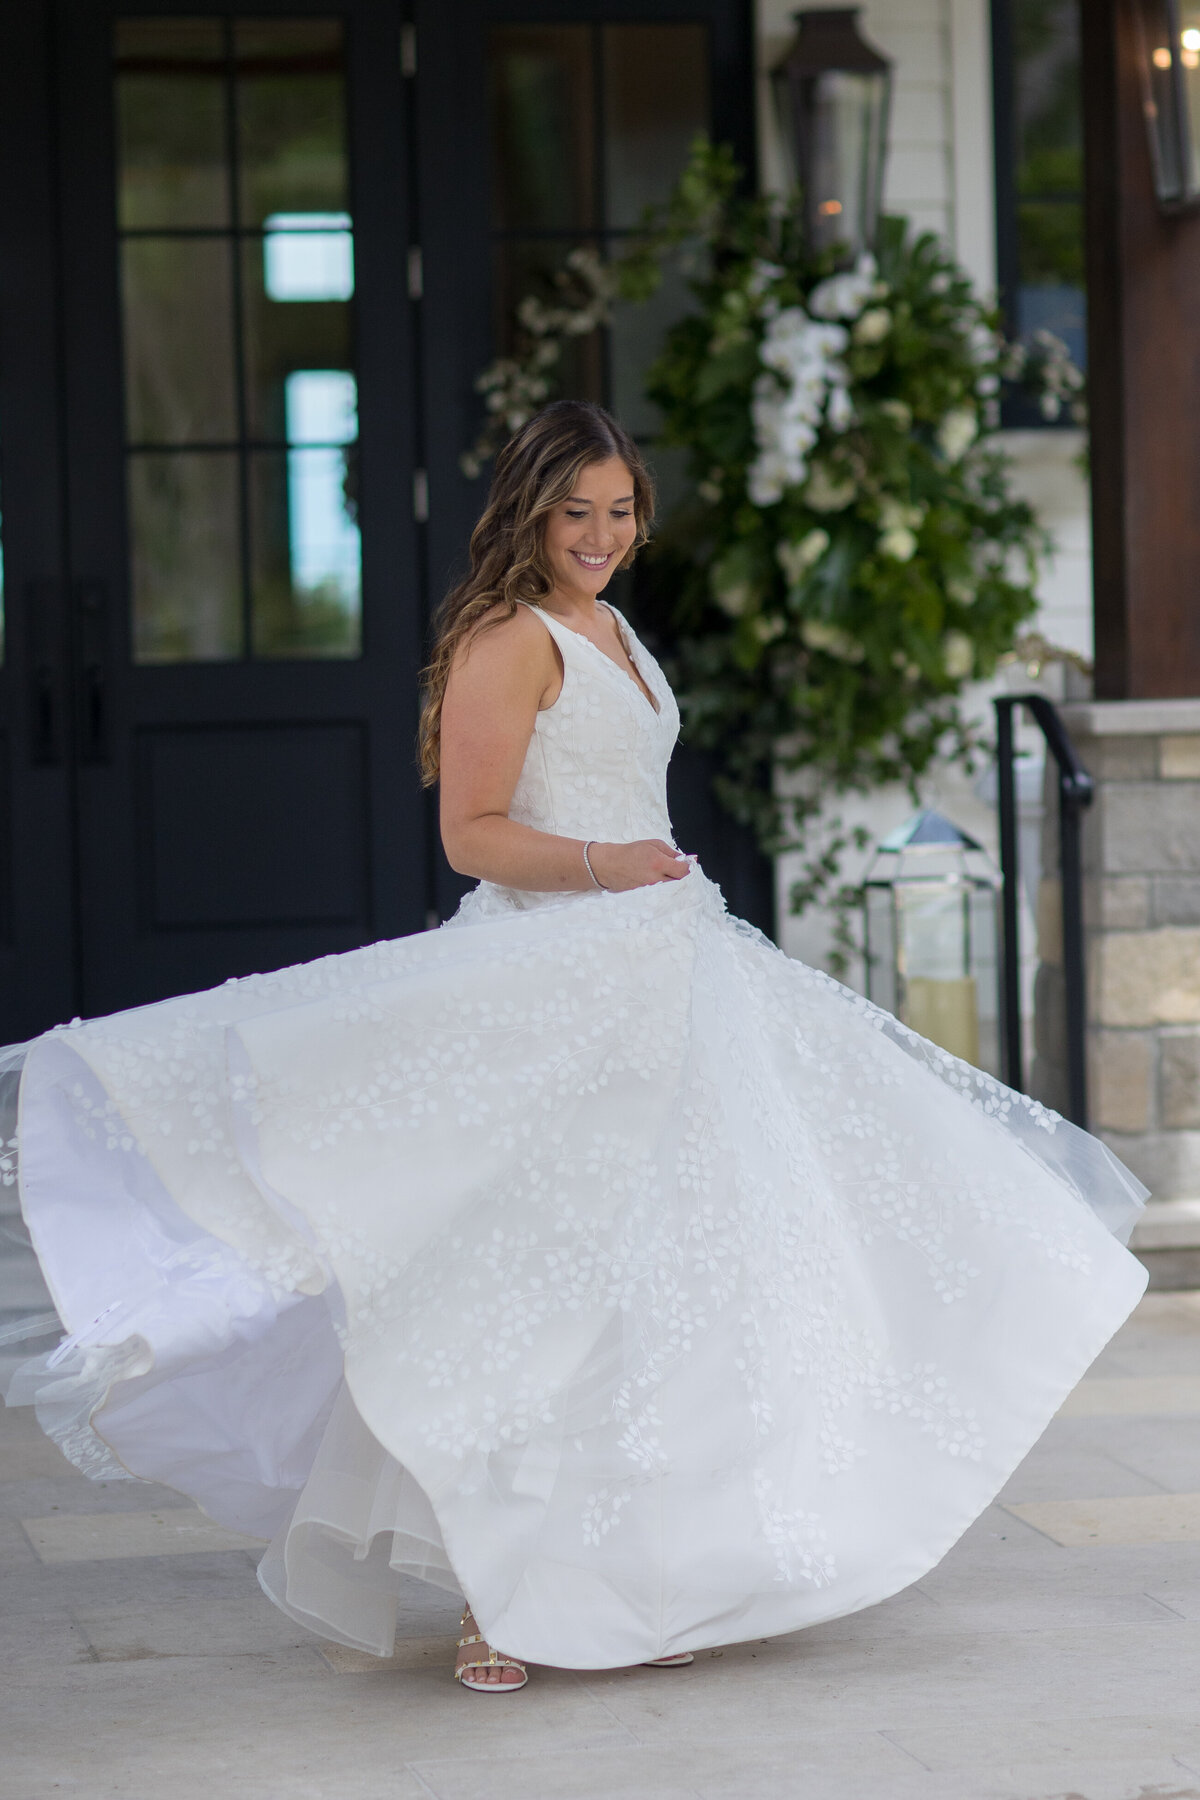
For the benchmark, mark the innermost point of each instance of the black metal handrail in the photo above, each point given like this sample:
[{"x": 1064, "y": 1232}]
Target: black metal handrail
[{"x": 1075, "y": 791}]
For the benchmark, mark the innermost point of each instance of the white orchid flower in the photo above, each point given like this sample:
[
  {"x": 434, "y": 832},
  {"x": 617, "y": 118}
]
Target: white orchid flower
[
  {"x": 899, "y": 412},
  {"x": 873, "y": 326},
  {"x": 832, "y": 639},
  {"x": 825, "y": 492},
  {"x": 797, "y": 559},
  {"x": 899, "y": 543},
  {"x": 957, "y": 432},
  {"x": 958, "y": 655},
  {"x": 840, "y": 410},
  {"x": 844, "y": 296}
]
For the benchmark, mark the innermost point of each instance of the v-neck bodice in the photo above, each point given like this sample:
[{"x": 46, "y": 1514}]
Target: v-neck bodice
[
  {"x": 625, "y": 634},
  {"x": 596, "y": 766}
]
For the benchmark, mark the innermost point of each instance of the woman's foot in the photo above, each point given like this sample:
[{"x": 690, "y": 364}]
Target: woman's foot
[{"x": 483, "y": 1669}]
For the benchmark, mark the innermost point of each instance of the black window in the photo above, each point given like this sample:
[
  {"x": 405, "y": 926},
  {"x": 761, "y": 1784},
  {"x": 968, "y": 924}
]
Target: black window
[{"x": 1039, "y": 173}]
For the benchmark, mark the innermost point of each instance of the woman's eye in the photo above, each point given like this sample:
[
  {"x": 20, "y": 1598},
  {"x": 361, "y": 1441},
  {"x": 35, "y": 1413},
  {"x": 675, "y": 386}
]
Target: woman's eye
[
  {"x": 621, "y": 515},
  {"x": 577, "y": 515}
]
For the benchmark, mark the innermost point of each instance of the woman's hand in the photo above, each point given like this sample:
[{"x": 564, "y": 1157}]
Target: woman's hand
[{"x": 620, "y": 867}]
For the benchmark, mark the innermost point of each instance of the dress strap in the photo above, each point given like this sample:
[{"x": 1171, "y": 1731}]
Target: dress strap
[
  {"x": 558, "y": 632},
  {"x": 562, "y": 633}
]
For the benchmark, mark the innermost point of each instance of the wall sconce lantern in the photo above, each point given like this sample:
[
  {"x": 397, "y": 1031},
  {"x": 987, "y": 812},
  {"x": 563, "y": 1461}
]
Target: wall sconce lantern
[
  {"x": 1169, "y": 53},
  {"x": 832, "y": 96},
  {"x": 932, "y": 900}
]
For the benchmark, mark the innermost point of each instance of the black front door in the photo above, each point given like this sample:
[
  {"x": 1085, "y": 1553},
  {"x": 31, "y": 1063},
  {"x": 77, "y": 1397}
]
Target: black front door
[
  {"x": 251, "y": 264},
  {"x": 212, "y": 683}
]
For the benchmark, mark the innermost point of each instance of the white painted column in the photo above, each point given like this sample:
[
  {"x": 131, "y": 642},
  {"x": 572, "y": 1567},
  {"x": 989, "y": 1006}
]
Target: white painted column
[{"x": 972, "y": 142}]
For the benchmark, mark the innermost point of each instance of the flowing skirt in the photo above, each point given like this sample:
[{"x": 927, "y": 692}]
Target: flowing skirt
[{"x": 590, "y": 1258}]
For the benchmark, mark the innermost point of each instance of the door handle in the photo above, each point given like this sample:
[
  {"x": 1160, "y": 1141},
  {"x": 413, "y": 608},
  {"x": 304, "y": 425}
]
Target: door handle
[
  {"x": 92, "y": 724},
  {"x": 46, "y": 638}
]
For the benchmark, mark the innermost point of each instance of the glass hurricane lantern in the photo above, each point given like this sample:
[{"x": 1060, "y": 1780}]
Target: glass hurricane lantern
[
  {"x": 832, "y": 98},
  {"x": 931, "y": 901},
  {"x": 1169, "y": 54}
]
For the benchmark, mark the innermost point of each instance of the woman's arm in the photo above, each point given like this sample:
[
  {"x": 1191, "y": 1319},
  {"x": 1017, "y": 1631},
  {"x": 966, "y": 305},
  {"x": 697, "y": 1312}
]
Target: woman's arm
[{"x": 499, "y": 680}]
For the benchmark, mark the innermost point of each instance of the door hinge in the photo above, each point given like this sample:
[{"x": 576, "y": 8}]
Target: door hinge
[
  {"x": 416, "y": 272},
  {"x": 408, "y": 50},
  {"x": 420, "y": 496}
]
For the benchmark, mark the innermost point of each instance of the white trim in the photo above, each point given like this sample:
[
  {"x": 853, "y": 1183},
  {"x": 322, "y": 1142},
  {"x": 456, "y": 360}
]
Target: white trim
[
  {"x": 1133, "y": 718},
  {"x": 973, "y": 147}
]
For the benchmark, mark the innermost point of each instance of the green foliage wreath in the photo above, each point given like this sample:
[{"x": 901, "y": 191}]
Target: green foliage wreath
[{"x": 852, "y": 554}]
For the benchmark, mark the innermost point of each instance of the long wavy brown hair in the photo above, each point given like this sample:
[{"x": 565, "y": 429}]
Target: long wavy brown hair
[{"x": 535, "y": 472}]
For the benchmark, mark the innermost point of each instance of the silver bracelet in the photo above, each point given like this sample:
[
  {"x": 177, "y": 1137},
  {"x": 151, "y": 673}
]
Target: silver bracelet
[{"x": 587, "y": 863}]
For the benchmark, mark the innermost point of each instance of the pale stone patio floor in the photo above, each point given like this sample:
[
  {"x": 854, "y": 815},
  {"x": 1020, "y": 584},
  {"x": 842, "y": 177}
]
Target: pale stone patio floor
[{"x": 1054, "y": 1654}]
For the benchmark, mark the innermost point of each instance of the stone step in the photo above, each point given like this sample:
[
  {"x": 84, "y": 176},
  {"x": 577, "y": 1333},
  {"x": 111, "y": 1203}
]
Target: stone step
[
  {"x": 1167, "y": 1239},
  {"x": 1168, "y": 1225}
]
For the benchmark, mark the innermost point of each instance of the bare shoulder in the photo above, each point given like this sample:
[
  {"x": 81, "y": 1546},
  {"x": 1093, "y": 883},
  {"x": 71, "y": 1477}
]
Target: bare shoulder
[{"x": 516, "y": 651}]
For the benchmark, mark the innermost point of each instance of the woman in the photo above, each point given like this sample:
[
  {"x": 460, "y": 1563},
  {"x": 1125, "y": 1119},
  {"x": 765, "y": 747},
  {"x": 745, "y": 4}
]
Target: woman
[{"x": 587, "y": 1257}]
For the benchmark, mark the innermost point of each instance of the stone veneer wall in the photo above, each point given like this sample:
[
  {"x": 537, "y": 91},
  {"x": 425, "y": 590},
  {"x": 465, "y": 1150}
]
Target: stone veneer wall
[{"x": 1141, "y": 848}]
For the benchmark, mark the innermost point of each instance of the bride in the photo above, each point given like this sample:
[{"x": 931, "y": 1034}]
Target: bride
[{"x": 587, "y": 1257}]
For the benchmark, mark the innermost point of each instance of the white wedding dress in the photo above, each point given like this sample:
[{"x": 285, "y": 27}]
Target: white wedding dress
[{"x": 587, "y": 1255}]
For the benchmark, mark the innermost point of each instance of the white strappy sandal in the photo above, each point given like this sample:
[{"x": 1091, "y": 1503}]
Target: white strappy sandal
[
  {"x": 491, "y": 1661},
  {"x": 671, "y": 1662}
]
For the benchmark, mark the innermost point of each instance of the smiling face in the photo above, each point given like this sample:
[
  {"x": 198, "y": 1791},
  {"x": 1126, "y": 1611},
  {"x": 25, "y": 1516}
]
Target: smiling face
[{"x": 589, "y": 534}]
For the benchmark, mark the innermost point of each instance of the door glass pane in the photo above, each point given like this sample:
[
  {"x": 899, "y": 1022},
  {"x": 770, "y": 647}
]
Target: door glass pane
[
  {"x": 177, "y": 300},
  {"x": 306, "y": 552},
  {"x": 655, "y": 102},
  {"x": 238, "y": 334},
  {"x": 543, "y": 127},
  {"x": 295, "y": 318},
  {"x": 186, "y": 558},
  {"x": 308, "y": 256},
  {"x": 1047, "y": 100},
  {"x": 589, "y": 125},
  {"x": 304, "y": 510},
  {"x": 524, "y": 266},
  {"x": 291, "y": 118},
  {"x": 635, "y": 339},
  {"x": 172, "y": 124}
]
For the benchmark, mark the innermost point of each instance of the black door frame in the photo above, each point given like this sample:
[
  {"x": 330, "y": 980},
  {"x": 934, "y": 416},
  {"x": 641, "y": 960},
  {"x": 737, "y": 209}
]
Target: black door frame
[{"x": 38, "y": 971}]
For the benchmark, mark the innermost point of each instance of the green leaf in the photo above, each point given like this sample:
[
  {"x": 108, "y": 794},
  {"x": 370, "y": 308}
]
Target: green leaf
[{"x": 734, "y": 367}]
